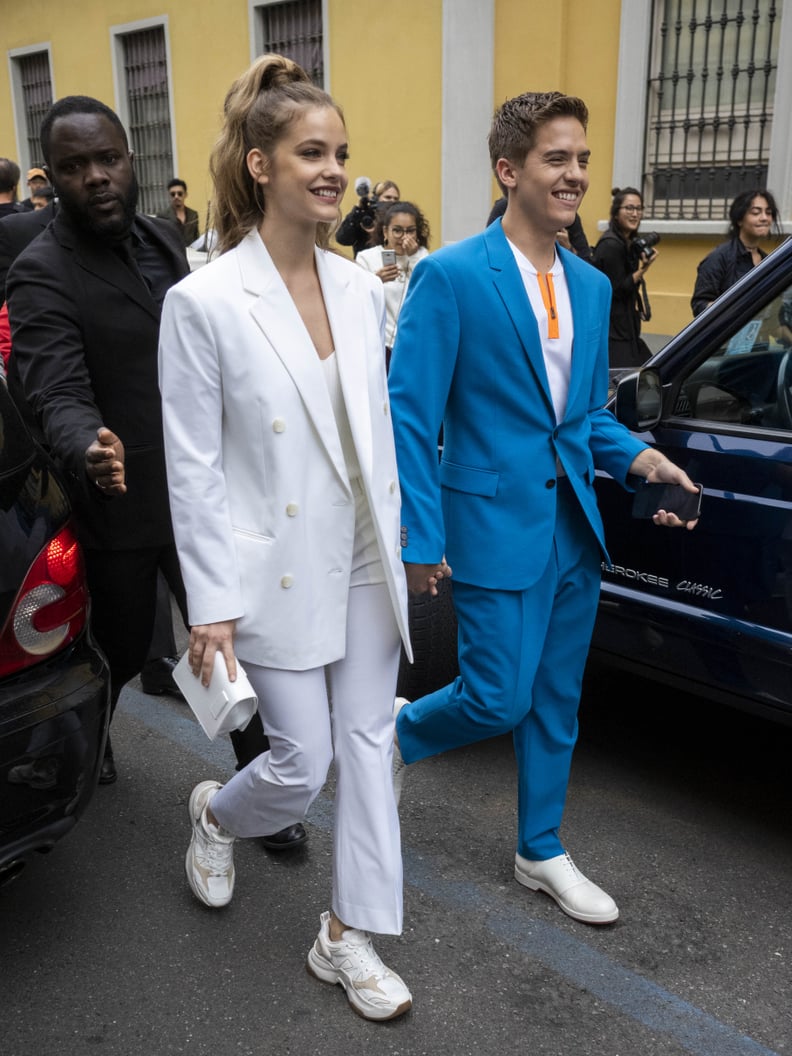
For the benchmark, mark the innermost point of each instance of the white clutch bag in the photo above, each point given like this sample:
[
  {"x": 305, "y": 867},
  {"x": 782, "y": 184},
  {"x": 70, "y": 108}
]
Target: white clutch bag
[{"x": 221, "y": 706}]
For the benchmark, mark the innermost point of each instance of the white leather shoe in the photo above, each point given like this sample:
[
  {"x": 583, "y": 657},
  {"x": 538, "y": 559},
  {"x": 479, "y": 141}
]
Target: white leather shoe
[{"x": 561, "y": 879}]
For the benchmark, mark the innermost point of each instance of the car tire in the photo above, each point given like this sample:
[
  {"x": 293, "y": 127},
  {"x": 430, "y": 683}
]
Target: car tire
[{"x": 433, "y": 632}]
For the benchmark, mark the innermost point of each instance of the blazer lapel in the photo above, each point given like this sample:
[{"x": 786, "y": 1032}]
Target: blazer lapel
[
  {"x": 509, "y": 284},
  {"x": 347, "y": 321},
  {"x": 276, "y": 314},
  {"x": 580, "y": 300},
  {"x": 106, "y": 265}
]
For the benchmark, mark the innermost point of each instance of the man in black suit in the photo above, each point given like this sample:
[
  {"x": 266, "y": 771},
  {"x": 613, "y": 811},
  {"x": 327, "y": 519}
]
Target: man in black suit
[{"x": 84, "y": 301}]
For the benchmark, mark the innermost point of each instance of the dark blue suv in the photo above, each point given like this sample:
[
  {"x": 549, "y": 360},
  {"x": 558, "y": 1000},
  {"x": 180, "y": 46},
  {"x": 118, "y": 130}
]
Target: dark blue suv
[{"x": 711, "y": 610}]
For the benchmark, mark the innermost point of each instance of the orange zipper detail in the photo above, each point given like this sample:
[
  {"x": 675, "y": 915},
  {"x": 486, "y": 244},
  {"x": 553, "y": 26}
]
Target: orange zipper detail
[{"x": 548, "y": 297}]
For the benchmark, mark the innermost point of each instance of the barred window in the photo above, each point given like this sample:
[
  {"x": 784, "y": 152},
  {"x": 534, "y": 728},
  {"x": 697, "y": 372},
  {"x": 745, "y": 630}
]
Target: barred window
[
  {"x": 712, "y": 81},
  {"x": 32, "y": 80},
  {"x": 293, "y": 28},
  {"x": 147, "y": 112}
]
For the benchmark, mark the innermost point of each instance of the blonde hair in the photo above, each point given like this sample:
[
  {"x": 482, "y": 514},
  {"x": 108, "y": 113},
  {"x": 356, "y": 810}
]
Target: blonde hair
[{"x": 258, "y": 109}]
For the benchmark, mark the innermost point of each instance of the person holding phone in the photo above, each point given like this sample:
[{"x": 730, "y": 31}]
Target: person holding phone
[
  {"x": 403, "y": 239},
  {"x": 283, "y": 486}
]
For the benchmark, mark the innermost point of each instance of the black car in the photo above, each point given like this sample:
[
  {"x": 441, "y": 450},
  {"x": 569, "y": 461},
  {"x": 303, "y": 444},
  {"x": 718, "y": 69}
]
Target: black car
[
  {"x": 711, "y": 610},
  {"x": 54, "y": 681}
]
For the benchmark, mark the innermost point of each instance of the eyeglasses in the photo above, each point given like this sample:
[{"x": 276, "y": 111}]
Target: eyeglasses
[
  {"x": 632, "y": 208},
  {"x": 399, "y": 231}
]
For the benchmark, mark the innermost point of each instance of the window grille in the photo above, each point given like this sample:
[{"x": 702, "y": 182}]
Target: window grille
[
  {"x": 294, "y": 29},
  {"x": 148, "y": 107},
  {"x": 35, "y": 83},
  {"x": 710, "y": 109}
]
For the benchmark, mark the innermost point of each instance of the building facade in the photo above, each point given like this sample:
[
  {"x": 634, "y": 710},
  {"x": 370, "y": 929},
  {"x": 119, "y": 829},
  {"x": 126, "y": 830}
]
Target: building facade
[{"x": 683, "y": 97}]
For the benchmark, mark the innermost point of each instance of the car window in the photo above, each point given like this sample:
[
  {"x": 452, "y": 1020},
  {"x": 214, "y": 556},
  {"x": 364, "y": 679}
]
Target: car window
[{"x": 747, "y": 379}]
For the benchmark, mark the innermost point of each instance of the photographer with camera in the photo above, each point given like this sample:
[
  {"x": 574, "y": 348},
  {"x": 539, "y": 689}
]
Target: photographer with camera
[
  {"x": 625, "y": 256},
  {"x": 357, "y": 227}
]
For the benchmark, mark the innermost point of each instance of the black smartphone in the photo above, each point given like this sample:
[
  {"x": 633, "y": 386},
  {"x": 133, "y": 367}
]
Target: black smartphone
[{"x": 673, "y": 498}]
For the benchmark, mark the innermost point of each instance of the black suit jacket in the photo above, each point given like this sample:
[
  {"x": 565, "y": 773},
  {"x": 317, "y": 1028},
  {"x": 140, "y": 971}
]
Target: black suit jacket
[
  {"x": 16, "y": 232},
  {"x": 85, "y": 332}
]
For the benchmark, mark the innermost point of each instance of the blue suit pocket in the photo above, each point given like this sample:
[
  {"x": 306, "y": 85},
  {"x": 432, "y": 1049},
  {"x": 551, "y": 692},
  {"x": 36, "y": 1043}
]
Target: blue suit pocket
[{"x": 465, "y": 478}]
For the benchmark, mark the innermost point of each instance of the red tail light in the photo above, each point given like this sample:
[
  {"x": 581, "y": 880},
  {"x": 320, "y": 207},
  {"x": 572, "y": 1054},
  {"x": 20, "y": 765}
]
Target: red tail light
[{"x": 51, "y": 608}]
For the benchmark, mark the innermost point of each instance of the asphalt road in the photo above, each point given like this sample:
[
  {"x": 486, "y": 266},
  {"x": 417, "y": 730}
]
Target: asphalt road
[{"x": 681, "y": 810}]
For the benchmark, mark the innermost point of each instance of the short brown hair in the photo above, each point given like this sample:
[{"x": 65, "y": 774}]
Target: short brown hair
[{"x": 516, "y": 122}]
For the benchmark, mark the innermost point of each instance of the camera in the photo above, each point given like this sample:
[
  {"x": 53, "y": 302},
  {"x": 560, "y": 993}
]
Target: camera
[
  {"x": 644, "y": 244},
  {"x": 367, "y": 205},
  {"x": 368, "y": 215}
]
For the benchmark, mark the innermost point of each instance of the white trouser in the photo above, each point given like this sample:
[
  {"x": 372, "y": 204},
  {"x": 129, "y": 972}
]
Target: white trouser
[{"x": 276, "y": 789}]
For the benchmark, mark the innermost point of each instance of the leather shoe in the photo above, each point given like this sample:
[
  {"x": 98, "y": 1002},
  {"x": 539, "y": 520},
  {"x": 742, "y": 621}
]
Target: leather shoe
[
  {"x": 561, "y": 879},
  {"x": 107, "y": 772},
  {"x": 287, "y": 839},
  {"x": 156, "y": 677}
]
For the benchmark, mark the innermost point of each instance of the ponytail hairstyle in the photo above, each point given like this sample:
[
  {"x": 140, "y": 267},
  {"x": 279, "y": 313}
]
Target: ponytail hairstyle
[{"x": 258, "y": 109}]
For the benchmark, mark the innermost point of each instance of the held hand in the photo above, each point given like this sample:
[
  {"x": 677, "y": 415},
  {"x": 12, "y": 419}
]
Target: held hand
[
  {"x": 423, "y": 578},
  {"x": 658, "y": 469},
  {"x": 104, "y": 462},
  {"x": 389, "y": 273},
  {"x": 206, "y": 639}
]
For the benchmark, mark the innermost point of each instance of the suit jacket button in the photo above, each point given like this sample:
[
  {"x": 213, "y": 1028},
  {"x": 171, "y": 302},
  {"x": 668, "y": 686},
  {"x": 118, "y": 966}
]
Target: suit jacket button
[
  {"x": 392, "y": 487},
  {"x": 287, "y": 581},
  {"x": 279, "y": 426},
  {"x": 550, "y": 483},
  {"x": 292, "y": 509}
]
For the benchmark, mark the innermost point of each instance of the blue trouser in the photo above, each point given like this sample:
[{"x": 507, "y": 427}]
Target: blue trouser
[{"x": 521, "y": 660}]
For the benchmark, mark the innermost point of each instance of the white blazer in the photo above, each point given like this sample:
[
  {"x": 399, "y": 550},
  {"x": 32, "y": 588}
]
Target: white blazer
[{"x": 263, "y": 514}]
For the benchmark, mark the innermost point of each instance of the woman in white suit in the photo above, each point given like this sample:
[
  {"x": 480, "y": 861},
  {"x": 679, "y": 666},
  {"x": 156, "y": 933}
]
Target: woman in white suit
[{"x": 285, "y": 503}]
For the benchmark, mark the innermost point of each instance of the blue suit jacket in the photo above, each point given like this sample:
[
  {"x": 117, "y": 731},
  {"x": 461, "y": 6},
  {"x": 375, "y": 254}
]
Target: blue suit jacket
[{"x": 468, "y": 354}]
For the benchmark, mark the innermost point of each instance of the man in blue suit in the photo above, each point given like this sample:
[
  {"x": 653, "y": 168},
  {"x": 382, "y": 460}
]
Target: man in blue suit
[{"x": 503, "y": 339}]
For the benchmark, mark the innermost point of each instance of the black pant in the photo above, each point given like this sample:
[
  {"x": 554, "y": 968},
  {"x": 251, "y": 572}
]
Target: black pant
[{"x": 123, "y": 586}]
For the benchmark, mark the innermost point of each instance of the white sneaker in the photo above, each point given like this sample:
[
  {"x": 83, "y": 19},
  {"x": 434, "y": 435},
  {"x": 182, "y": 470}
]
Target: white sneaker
[
  {"x": 561, "y": 879},
  {"x": 373, "y": 990},
  {"x": 399, "y": 765},
  {"x": 210, "y": 856}
]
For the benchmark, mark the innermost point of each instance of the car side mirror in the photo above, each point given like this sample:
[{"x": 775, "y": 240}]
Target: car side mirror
[{"x": 639, "y": 400}]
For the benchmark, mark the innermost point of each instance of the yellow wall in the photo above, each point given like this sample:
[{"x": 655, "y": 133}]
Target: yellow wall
[
  {"x": 209, "y": 49},
  {"x": 206, "y": 52},
  {"x": 386, "y": 72},
  {"x": 385, "y": 68},
  {"x": 571, "y": 46}
]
